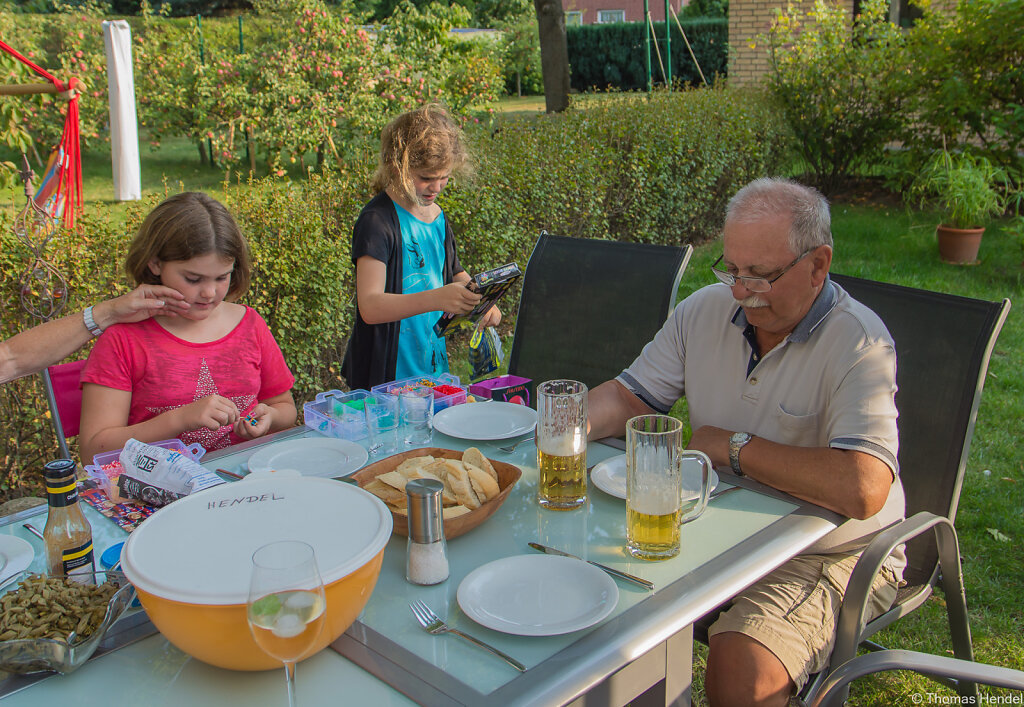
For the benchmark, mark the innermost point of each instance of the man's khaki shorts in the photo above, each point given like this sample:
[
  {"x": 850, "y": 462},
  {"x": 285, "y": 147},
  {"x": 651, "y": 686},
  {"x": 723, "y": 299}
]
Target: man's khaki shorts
[{"x": 793, "y": 611}]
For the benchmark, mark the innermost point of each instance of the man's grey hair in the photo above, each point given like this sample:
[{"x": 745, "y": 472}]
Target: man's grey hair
[{"x": 774, "y": 196}]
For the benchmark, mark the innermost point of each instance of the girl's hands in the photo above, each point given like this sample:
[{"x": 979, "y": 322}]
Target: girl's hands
[
  {"x": 256, "y": 423},
  {"x": 211, "y": 412},
  {"x": 456, "y": 298},
  {"x": 492, "y": 317}
]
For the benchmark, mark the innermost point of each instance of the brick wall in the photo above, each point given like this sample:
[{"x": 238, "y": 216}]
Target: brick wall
[
  {"x": 747, "y": 19},
  {"x": 634, "y": 9}
]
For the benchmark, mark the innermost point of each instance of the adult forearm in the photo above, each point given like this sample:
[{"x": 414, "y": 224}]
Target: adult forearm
[
  {"x": 42, "y": 346},
  {"x": 609, "y": 406},
  {"x": 849, "y": 482}
]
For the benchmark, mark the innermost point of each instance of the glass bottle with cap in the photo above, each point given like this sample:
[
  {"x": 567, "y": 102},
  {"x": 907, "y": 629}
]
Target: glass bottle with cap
[
  {"x": 427, "y": 554},
  {"x": 67, "y": 535}
]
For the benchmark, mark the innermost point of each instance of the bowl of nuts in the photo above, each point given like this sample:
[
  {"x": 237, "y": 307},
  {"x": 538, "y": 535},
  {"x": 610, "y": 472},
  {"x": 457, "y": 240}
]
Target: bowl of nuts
[{"x": 56, "y": 623}]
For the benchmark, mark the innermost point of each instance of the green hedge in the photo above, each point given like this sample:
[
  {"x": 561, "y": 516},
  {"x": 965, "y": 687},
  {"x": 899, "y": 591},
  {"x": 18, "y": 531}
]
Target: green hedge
[
  {"x": 612, "y": 55},
  {"x": 652, "y": 169}
]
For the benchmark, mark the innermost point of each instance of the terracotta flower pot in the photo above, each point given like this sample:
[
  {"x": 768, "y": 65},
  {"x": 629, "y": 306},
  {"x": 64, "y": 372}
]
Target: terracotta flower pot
[{"x": 959, "y": 245}]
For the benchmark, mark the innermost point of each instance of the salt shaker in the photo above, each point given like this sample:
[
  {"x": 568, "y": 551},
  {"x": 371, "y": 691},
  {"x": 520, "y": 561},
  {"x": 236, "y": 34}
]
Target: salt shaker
[{"x": 427, "y": 555}]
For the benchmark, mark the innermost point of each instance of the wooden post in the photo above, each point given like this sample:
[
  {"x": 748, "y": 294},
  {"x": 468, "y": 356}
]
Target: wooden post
[{"x": 32, "y": 89}]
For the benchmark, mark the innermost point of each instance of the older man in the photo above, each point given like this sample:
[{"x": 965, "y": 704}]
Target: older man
[{"x": 791, "y": 382}]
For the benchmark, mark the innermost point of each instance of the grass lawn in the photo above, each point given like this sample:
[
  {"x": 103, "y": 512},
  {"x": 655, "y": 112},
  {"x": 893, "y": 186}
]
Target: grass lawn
[{"x": 877, "y": 240}]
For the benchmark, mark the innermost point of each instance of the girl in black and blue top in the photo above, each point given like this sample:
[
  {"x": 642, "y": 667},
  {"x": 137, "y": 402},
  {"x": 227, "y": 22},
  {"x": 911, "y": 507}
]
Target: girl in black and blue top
[{"x": 407, "y": 269}]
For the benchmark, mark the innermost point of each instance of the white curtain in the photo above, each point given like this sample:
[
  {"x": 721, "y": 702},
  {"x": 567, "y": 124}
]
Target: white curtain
[{"x": 124, "y": 130}]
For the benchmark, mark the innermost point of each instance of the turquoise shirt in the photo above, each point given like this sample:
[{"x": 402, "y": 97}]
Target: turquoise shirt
[{"x": 420, "y": 350}]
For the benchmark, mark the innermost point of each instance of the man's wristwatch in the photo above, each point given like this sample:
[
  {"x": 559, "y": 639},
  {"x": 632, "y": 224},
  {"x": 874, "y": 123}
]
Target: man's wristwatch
[{"x": 736, "y": 443}]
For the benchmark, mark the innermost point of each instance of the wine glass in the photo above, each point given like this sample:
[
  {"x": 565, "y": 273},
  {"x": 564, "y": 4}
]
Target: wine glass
[{"x": 286, "y": 603}]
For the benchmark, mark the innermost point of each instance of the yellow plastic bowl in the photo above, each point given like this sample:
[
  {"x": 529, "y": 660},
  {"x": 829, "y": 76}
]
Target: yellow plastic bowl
[
  {"x": 190, "y": 561},
  {"x": 219, "y": 635}
]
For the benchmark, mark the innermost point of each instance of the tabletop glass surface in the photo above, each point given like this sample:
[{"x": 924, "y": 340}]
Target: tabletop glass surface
[{"x": 596, "y": 532}]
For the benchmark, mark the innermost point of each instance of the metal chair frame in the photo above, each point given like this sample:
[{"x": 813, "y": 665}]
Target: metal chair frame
[{"x": 987, "y": 319}]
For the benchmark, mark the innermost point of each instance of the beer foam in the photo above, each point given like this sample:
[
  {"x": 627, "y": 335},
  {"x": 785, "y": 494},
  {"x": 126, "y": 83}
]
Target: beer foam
[
  {"x": 563, "y": 445},
  {"x": 654, "y": 504}
]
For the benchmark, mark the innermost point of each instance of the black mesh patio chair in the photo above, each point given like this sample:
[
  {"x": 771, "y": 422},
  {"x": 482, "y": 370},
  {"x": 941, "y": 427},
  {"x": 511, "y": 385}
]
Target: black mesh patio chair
[
  {"x": 943, "y": 346},
  {"x": 833, "y": 690},
  {"x": 589, "y": 306}
]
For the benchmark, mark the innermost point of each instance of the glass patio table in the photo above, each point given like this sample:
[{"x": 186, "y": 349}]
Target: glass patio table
[{"x": 385, "y": 658}]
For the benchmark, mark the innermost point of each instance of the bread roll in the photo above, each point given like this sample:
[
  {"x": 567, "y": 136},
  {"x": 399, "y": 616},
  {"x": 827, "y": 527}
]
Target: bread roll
[
  {"x": 475, "y": 457},
  {"x": 486, "y": 488},
  {"x": 458, "y": 477},
  {"x": 389, "y": 494},
  {"x": 411, "y": 465}
]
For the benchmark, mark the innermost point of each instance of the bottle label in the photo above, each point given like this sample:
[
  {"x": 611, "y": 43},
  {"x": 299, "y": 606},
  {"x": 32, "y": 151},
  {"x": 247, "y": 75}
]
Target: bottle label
[
  {"x": 79, "y": 561},
  {"x": 62, "y": 493}
]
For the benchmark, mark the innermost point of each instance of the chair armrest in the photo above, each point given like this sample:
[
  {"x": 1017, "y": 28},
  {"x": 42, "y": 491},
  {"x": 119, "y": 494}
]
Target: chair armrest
[
  {"x": 850, "y": 624},
  {"x": 832, "y": 688}
]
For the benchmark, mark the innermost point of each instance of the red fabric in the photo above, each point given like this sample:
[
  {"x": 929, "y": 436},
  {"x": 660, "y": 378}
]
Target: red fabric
[
  {"x": 67, "y": 391},
  {"x": 163, "y": 372},
  {"x": 69, "y": 182}
]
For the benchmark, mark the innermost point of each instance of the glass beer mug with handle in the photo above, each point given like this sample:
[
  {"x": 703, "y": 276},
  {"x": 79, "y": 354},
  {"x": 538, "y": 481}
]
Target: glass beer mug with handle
[
  {"x": 654, "y": 486},
  {"x": 562, "y": 444}
]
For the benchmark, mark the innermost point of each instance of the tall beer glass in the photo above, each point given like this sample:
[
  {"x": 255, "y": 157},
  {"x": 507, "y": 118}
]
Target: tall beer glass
[
  {"x": 654, "y": 485},
  {"x": 562, "y": 444}
]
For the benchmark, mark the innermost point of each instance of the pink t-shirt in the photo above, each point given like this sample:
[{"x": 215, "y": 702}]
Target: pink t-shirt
[{"x": 163, "y": 372}]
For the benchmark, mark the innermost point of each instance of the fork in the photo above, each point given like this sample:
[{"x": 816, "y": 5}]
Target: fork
[
  {"x": 433, "y": 624},
  {"x": 509, "y": 448}
]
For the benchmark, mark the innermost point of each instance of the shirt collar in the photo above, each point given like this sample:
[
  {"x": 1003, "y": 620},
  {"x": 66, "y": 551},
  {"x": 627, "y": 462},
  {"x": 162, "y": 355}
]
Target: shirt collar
[{"x": 824, "y": 303}]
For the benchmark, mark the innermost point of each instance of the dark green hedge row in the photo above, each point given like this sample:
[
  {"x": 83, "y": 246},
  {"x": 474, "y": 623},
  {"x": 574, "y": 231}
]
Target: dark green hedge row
[{"x": 612, "y": 55}]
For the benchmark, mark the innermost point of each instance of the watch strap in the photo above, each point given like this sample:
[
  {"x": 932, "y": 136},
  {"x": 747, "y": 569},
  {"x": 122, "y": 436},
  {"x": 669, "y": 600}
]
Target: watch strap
[
  {"x": 90, "y": 323},
  {"x": 736, "y": 443}
]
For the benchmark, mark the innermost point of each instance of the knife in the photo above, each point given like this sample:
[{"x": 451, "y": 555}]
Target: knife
[{"x": 613, "y": 572}]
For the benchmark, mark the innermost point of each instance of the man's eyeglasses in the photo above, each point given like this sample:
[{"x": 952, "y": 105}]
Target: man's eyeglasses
[{"x": 754, "y": 284}]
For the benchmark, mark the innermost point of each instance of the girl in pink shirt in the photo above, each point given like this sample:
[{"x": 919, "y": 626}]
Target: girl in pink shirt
[{"x": 212, "y": 374}]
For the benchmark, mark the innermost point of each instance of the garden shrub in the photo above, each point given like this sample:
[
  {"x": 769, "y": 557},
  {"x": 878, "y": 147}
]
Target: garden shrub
[
  {"x": 838, "y": 83},
  {"x": 307, "y": 78},
  {"x": 966, "y": 81},
  {"x": 630, "y": 168}
]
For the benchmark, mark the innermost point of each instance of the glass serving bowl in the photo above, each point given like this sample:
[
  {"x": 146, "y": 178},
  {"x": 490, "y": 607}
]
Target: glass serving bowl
[{"x": 32, "y": 655}]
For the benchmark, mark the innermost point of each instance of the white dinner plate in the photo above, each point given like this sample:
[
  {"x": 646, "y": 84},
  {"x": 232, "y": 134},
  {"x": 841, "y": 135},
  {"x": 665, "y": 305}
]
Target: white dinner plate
[
  {"x": 15, "y": 556},
  {"x": 537, "y": 595},
  {"x": 610, "y": 477},
  {"x": 311, "y": 456},
  {"x": 485, "y": 421}
]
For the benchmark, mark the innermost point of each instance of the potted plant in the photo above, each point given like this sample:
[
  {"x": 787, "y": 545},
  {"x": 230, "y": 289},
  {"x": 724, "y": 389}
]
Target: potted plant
[{"x": 966, "y": 189}]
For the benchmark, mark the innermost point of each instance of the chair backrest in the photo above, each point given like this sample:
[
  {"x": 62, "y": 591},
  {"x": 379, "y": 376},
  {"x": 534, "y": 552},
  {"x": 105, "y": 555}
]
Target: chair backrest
[
  {"x": 67, "y": 393},
  {"x": 943, "y": 346},
  {"x": 588, "y": 307}
]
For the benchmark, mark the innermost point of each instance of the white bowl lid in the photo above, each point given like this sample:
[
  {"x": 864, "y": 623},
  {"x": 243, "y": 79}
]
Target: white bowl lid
[{"x": 198, "y": 550}]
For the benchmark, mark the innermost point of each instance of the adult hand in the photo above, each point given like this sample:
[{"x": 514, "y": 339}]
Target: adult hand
[
  {"x": 713, "y": 441},
  {"x": 456, "y": 298},
  {"x": 257, "y": 424},
  {"x": 141, "y": 303},
  {"x": 211, "y": 412}
]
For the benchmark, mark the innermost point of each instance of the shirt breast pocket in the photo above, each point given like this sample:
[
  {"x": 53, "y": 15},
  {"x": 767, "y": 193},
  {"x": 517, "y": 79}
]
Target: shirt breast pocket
[{"x": 798, "y": 430}]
